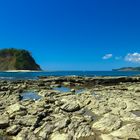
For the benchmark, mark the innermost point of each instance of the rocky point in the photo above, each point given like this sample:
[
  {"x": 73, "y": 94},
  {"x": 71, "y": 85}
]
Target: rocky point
[{"x": 108, "y": 108}]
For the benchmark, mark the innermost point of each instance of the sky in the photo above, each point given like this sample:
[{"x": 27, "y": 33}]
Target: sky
[{"x": 73, "y": 34}]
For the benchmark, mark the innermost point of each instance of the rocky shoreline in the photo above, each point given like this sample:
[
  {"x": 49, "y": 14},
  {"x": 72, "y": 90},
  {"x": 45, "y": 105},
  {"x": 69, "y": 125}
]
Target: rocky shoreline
[{"x": 108, "y": 108}]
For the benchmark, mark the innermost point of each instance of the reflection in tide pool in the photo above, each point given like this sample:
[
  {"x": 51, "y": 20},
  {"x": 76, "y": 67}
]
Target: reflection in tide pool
[
  {"x": 66, "y": 89},
  {"x": 62, "y": 89},
  {"x": 30, "y": 95}
]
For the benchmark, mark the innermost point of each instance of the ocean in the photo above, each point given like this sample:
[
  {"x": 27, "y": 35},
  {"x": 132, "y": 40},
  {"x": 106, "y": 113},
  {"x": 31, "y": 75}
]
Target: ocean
[{"x": 34, "y": 75}]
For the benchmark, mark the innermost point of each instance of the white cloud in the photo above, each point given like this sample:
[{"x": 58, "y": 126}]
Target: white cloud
[
  {"x": 107, "y": 56},
  {"x": 133, "y": 57}
]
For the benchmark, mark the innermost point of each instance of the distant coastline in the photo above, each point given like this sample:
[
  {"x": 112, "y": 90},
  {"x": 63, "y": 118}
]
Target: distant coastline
[{"x": 128, "y": 69}]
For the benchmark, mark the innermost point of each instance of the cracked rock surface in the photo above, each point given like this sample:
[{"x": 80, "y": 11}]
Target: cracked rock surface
[{"x": 106, "y": 109}]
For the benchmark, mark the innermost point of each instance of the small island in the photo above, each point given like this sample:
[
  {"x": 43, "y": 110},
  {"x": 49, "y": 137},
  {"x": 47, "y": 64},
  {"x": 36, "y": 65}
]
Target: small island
[
  {"x": 128, "y": 69},
  {"x": 17, "y": 60}
]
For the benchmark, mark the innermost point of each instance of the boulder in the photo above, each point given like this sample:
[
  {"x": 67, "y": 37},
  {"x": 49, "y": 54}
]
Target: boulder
[{"x": 70, "y": 106}]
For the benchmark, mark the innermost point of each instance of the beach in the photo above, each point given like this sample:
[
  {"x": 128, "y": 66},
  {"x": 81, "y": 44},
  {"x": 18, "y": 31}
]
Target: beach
[
  {"x": 22, "y": 71},
  {"x": 70, "y": 108}
]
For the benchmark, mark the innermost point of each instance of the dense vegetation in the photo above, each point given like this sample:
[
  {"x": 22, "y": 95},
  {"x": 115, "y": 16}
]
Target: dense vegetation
[{"x": 14, "y": 59}]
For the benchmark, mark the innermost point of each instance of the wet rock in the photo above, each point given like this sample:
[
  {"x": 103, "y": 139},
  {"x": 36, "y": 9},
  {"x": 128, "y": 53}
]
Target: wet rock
[{"x": 108, "y": 123}]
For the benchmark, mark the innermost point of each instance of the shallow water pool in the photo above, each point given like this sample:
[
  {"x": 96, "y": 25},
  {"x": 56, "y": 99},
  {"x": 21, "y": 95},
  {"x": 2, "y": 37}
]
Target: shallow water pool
[
  {"x": 66, "y": 89},
  {"x": 30, "y": 95},
  {"x": 62, "y": 89}
]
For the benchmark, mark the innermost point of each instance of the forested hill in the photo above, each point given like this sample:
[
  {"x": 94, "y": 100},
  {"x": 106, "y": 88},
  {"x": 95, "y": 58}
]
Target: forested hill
[{"x": 15, "y": 59}]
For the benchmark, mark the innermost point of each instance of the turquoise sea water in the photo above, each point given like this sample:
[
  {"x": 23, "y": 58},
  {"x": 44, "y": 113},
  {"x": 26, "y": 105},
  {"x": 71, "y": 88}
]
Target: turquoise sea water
[{"x": 34, "y": 75}]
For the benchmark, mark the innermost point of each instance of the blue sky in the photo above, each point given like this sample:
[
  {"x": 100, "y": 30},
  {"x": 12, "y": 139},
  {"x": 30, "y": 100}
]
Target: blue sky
[{"x": 73, "y": 34}]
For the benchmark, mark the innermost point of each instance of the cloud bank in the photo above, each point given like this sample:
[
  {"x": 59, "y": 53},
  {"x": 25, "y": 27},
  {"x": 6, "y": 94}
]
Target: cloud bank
[
  {"x": 130, "y": 57},
  {"x": 133, "y": 57}
]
